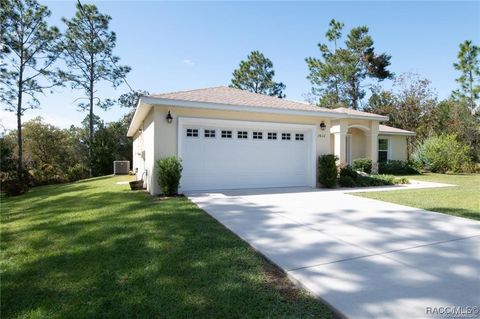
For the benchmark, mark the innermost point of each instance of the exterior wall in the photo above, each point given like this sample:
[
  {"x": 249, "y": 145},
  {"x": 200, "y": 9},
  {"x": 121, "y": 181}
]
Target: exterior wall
[
  {"x": 358, "y": 143},
  {"x": 166, "y": 139},
  {"x": 138, "y": 162},
  {"x": 397, "y": 149},
  {"x": 146, "y": 147}
]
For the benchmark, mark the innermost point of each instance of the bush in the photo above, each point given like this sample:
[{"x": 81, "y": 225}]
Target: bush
[
  {"x": 397, "y": 168},
  {"x": 76, "y": 172},
  {"x": 327, "y": 170},
  {"x": 443, "y": 153},
  {"x": 169, "y": 173},
  {"x": 348, "y": 171},
  {"x": 363, "y": 165},
  {"x": 47, "y": 174},
  {"x": 12, "y": 186},
  {"x": 380, "y": 180},
  {"x": 346, "y": 181}
]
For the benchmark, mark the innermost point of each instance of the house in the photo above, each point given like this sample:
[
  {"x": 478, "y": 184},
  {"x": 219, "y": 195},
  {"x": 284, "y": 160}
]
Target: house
[{"x": 228, "y": 138}]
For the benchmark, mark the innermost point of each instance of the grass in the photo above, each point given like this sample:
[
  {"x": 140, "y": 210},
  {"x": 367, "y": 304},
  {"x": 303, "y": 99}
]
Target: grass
[
  {"x": 461, "y": 200},
  {"x": 96, "y": 249}
]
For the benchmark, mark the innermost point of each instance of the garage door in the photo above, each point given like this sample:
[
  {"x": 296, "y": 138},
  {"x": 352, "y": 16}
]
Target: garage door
[{"x": 237, "y": 154}]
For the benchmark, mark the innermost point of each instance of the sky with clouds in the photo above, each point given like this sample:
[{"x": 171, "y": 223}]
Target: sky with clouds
[{"x": 186, "y": 45}]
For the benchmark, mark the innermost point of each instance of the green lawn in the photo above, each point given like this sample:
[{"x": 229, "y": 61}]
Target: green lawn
[
  {"x": 96, "y": 249},
  {"x": 461, "y": 200}
]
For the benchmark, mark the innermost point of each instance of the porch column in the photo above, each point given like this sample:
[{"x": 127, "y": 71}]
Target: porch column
[
  {"x": 372, "y": 145},
  {"x": 339, "y": 132}
]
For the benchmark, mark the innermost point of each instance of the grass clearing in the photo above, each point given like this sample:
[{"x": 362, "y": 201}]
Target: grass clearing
[
  {"x": 461, "y": 200},
  {"x": 96, "y": 249}
]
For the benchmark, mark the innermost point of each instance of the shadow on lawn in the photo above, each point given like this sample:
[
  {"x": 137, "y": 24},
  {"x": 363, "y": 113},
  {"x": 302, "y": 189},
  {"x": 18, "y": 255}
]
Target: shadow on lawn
[{"x": 117, "y": 254}]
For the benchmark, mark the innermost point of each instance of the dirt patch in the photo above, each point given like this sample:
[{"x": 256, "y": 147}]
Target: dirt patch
[{"x": 278, "y": 279}]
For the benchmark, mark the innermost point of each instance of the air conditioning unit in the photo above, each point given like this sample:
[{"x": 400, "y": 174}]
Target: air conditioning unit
[{"x": 121, "y": 167}]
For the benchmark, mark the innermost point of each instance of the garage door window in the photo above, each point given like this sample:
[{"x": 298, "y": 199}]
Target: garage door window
[
  {"x": 209, "y": 133},
  {"x": 242, "y": 134},
  {"x": 299, "y": 137},
  {"x": 286, "y": 136},
  {"x": 272, "y": 136},
  {"x": 192, "y": 132},
  {"x": 226, "y": 134},
  {"x": 257, "y": 135}
]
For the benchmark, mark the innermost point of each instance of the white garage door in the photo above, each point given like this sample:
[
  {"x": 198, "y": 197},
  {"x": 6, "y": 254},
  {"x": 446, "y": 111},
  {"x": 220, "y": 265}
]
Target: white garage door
[{"x": 237, "y": 154}]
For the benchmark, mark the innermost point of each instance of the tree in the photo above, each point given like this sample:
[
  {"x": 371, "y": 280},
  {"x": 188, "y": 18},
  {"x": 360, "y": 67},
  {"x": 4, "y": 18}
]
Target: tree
[
  {"x": 454, "y": 117},
  {"x": 469, "y": 66},
  {"x": 32, "y": 48},
  {"x": 130, "y": 99},
  {"x": 256, "y": 75},
  {"x": 88, "y": 52},
  {"x": 409, "y": 105},
  {"x": 338, "y": 76}
]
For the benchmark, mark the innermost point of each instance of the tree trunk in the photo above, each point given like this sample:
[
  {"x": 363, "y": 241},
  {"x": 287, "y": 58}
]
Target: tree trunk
[
  {"x": 90, "y": 131},
  {"x": 19, "y": 121}
]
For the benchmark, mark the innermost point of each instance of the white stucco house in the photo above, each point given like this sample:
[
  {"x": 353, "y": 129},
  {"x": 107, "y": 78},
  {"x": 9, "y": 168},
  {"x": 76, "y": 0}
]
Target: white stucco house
[{"x": 229, "y": 138}]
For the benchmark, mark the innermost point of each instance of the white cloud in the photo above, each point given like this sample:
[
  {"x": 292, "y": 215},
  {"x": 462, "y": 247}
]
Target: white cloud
[{"x": 188, "y": 62}]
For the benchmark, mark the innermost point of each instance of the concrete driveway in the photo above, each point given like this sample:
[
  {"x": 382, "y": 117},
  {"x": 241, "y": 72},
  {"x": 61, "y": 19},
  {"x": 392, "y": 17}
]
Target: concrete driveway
[{"x": 366, "y": 258}]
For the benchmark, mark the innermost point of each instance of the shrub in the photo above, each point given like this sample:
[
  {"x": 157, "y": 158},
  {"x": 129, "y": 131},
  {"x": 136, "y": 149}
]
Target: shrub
[
  {"x": 169, "y": 173},
  {"x": 47, "y": 174},
  {"x": 443, "y": 153},
  {"x": 346, "y": 181},
  {"x": 12, "y": 185},
  {"x": 363, "y": 165},
  {"x": 397, "y": 168},
  {"x": 327, "y": 170},
  {"x": 76, "y": 172},
  {"x": 380, "y": 180},
  {"x": 348, "y": 171}
]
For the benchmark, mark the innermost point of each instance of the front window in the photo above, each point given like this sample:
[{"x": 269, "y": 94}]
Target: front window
[{"x": 382, "y": 150}]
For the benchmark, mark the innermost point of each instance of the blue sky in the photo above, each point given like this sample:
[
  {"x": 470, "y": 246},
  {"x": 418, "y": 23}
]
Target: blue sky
[{"x": 185, "y": 45}]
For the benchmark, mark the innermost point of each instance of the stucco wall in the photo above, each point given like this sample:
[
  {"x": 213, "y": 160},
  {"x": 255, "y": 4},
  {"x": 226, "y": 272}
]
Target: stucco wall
[{"x": 359, "y": 143}]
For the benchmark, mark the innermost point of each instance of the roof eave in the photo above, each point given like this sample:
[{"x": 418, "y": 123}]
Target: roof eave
[{"x": 148, "y": 101}]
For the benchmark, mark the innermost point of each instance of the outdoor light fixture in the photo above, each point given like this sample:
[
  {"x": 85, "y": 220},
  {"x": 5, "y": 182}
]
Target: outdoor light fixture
[
  {"x": 169, "y": 117},
  {"x": 323, "y": 126}
]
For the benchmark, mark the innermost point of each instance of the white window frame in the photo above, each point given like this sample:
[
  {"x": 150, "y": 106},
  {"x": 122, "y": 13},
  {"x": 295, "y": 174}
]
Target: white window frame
[
  {"x": 299, "y": 136},
  {"x": 240, "y": 133},
  {"x": 388, "y": 150},
  {"x": 209, "y": 133},
  {"x": 272, "y": 136},
  {"x": 226, "y": 134},
  {"x": 192, "y": 130},
  {"x": 257, "y": 135},
  {"x": 285, "y": 135}
]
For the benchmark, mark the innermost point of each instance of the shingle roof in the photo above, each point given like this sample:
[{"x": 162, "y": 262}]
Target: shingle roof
[
  {"x": 384, "y": 129},
  {"x": 232, "y": 96},
  {"x": 228, "y": 95}
]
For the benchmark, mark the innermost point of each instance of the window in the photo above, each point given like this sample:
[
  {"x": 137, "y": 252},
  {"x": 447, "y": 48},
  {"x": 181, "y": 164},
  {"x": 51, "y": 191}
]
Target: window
[
  {"x": 226, "y": 134},
  {"x": 382, "y": 150},
  {"x": 209, "y": 133},
  {"x": 299, "y": 137},
  {"x": 242, "y": 134},
  {"x": 257, "y": 135},
  {"x": 192, "y": 132},
  {"x": 272, "y": 136},
  {"x": 286, "y": 136}
]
